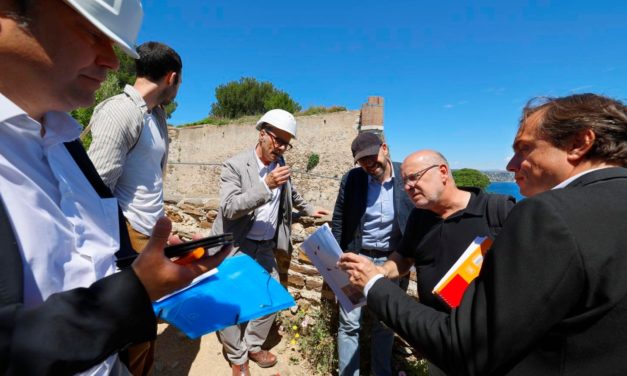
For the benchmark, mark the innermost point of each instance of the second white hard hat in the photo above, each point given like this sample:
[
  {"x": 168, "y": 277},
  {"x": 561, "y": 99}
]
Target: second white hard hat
[
  {"x": 280, "y": 119},
  {"x": 119, "y": 20}
]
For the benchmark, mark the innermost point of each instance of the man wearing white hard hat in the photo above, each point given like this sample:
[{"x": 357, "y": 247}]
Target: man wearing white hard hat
[
  {"x": 64, "y": 307},
  {"x": 256, "y": 200}
]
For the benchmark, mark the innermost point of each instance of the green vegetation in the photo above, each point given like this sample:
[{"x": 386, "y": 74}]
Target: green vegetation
[
  {"x": 315, "y": 110},
  {"x": 467, "y": 177},
  {"x": 250, "y": 97},
  {"x": 312, "y": 161},
  {"x": 208, "y": 120},
  {"x": 314, "y": 335}
]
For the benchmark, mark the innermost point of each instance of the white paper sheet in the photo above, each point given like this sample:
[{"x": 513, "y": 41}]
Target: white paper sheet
[{"x": 324, "y": 252}]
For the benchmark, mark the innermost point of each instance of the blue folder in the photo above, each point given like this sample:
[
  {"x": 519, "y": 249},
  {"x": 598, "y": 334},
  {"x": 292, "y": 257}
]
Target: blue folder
[{"x": 240, "y": 291}]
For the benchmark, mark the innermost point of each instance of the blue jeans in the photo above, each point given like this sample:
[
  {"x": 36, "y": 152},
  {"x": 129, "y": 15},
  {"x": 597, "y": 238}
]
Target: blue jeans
[{"x": 348, "y": 341}]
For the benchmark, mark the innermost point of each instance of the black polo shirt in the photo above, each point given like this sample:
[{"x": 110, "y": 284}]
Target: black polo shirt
[{"x": 435, "y": 243}]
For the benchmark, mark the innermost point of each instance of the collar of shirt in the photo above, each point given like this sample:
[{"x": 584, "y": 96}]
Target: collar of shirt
[
  {"x": 8, "y": 109},
  {"x": 474, "y": 207},
  {"x": 134, "y": 95},
  {"x": 573, "y": 178},
  {"x": 263, "y": 169},
  {"x": 60, "y": 127}
]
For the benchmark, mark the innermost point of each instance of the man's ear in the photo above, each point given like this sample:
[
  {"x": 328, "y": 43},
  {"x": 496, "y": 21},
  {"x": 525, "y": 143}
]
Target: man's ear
[
  {"x": 171, "y": 78},
  {"x": 384, "y": 147},
  {"x": 580, "y": 145},
  {"x": 444, "y": 173}
]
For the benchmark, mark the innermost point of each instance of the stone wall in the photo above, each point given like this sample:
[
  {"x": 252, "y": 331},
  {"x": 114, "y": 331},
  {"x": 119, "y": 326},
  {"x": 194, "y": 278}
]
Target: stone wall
[
  {"x": 193, "y": 177},
  {"x": 196, "y": 154}
]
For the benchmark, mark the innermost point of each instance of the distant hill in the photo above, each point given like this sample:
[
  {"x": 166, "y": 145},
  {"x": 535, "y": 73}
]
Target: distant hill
[{"x": 499, "y": 175}]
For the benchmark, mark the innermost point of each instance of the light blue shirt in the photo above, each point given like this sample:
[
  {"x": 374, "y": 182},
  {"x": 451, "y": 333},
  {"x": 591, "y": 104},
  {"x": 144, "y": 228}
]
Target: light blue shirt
[{"x": 380, "y": 231}]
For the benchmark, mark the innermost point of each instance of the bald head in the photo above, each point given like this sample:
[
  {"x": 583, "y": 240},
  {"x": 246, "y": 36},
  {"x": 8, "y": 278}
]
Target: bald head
[
  {"x": 426, "y": 157},
  {"x": 429, "y": 183}
]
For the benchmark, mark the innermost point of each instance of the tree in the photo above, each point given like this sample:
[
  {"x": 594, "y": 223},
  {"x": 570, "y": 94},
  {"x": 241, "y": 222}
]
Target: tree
[
  {"x": 250, "y": 97},
  {"x": 468, "y": 177}
]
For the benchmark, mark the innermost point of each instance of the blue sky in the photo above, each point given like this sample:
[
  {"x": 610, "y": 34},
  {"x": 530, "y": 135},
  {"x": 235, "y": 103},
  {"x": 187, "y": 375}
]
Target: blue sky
[{"x": 454, "y": 74}]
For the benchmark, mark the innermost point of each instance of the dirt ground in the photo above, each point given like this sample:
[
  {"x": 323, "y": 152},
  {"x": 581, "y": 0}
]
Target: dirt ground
[{"x": 177, "y": 355}]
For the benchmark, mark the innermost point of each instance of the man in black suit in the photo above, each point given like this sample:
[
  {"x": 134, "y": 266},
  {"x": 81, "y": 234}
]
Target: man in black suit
[
  {"x": 369, "y": 218},
  {"x": 63, "y": 307},
  {"x": 551, "y": 298}
]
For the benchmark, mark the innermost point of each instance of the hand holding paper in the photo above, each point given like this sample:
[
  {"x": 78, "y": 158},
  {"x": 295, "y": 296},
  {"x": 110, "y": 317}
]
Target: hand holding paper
[
  {"x": 360, "y": 270},
  {"x": 324, "y": 252}
]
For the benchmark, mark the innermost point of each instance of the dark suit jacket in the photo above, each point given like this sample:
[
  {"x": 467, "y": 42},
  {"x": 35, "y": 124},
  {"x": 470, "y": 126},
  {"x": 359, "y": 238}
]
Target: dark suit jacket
[
  {"x": 551, "y": 298},
  {"x": 73, "y": 330},
  {"x": 350, "y": 207}
]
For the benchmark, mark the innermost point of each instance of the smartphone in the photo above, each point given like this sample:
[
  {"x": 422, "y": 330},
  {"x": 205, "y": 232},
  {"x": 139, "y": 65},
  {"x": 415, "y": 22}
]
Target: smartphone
[{"x": 180, "y": 250}]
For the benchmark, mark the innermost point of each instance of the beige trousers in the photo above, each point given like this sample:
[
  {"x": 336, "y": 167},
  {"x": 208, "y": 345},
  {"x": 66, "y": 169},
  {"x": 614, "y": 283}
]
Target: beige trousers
[{"x": 239, "y": 340}]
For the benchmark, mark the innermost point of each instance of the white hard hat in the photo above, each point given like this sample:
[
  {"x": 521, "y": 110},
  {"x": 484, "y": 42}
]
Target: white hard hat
[
  {"x": 120, "y": 20},
  {"x": 280, "y": 119}
]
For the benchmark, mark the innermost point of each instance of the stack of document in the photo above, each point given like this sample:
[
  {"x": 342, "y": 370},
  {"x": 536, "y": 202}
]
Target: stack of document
[{"x": 239, "y": 290}]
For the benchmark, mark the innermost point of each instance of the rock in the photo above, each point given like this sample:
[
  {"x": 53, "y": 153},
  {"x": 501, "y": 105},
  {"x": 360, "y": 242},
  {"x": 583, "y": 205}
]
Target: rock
[
  {"x": 310, "y": 230},
  {"x": 296, "y": 280},
  {"x": 211, "y": 215},
  {"x": 305, "y": 269},
  {"x": 313, "y": 284},
  {"x": 298, "y": 233},
  {"x": 204, "y": 224},
  {"x": 194, "y": 212}
]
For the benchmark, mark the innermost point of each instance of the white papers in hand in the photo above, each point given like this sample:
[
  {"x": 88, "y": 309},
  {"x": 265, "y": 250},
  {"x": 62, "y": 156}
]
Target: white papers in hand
[{"x": 324, "y": 252}]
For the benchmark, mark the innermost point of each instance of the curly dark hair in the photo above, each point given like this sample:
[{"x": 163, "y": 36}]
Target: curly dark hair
[{"x": 565, "y": 117}]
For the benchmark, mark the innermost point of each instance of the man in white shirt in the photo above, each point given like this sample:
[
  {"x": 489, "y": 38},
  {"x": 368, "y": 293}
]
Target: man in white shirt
[
  {"x": 256, "y": 200},
  {"x": 130, "y": 149},
  {"x": 62, "y": 308}
]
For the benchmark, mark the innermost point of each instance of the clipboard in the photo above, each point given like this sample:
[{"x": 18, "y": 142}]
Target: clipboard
[{"x": 239, "y": 291}]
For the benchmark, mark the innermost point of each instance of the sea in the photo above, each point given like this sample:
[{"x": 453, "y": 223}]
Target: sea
[{"x": 506, "y": 188}]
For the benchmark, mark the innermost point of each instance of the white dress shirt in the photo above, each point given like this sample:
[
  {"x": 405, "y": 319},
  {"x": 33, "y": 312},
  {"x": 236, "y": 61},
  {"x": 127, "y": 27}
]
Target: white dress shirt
[
  {"x": 66, "y": 233},
  {"x": 267, "y": 215}
]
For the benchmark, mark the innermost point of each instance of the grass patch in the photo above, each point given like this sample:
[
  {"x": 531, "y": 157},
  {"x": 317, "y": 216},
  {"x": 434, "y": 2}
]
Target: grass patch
[
  {"x": 313, "y": 332},
  {"x": 316, "y": 110},
  {"x": 212, "y": 120}
]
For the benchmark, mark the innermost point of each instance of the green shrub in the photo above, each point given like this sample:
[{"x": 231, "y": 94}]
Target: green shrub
[
  {"x": 467, "y": 177},
  {"x": 250, "y": 97},
  {"x": 312, "y": 161}
]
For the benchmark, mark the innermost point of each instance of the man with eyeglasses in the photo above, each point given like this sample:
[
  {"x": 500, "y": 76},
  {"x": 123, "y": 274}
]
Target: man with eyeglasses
[
  {"x": 369, "y": 218},
  {"x": 551, "y": 298},
  {"x": 256, "y": 200},
  {"x": 444, "y": 223}
]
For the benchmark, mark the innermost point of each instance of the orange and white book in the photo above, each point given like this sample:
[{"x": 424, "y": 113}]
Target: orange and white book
[{"x": 452, "y": 286}]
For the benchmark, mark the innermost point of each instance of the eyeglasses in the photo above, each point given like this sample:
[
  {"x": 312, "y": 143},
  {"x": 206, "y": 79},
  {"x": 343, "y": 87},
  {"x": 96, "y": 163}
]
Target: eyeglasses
[
  {"x": 277, "y": 142},
  {"x": 413, "y": 178}
]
